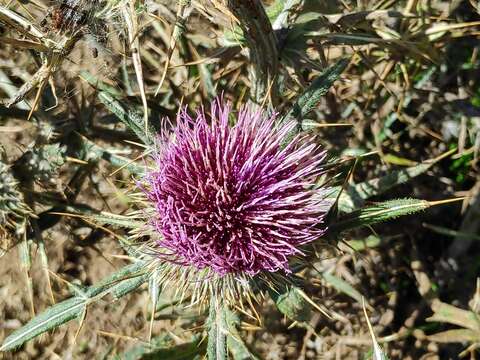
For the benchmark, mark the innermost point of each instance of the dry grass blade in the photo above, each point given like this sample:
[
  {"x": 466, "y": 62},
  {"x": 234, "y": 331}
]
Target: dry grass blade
[
  {"x": 130, "y": 17},
  {"x": 184, "y": 9},
  {"x": 21, "y": 25},
  {"x": 378, "y": 353}
]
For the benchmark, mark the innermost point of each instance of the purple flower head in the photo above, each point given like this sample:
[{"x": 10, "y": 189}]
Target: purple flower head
[{"x": 231, "y": 198}]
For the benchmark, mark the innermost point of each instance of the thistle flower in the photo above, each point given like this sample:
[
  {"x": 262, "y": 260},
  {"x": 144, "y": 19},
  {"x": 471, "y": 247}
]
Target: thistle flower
[{"x": 228, "y": 196}]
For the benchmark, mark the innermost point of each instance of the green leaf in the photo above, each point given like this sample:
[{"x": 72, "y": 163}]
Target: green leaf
[
  {"x": 378, "y": 213},
  {"x": 370, "y": 242},
  {"x": 319, "y": 87},
  {"x": 119, "y": 284},
  {"x": 217, "y": 330},
  {"x": 129, "y": 116},
  {"x": 355, "y": 196},
  {"x": 128, "y": 285},
  {"x": 163, "y": 347},
  {"x": 311, "y": 97},
  {"x": 95, "y": 152},
  {"x": 277, "y": 13},
  {"x": 115, "y": 219},
  {"x": 396, "y": 160},
  {"x": 453, "y": 233},
  {"x": 51, "y": 318},
  {"x": 291, "y": 303},
  {"x": 275, "y": 9},
  {"x": 113, "y": 282},
  {"x": 342, "y": 286},
  {"x": 235, "y": 343},
  {"x": 281, "y": 11},
  {"x": 154, "y": 288},
  {"x": 125, "y": 112},
  {"x": 98, "y": 84}
]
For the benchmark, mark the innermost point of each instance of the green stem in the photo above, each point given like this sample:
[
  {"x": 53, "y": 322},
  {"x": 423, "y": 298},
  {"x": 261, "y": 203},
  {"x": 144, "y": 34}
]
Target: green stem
[
  {"x": 217, "y": 334},
  {"x": 262, "y": 43}
]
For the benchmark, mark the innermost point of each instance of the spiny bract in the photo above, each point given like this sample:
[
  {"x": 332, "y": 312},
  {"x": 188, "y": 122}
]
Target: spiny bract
[
  {"x": 13, "y": 211},
  {"x": 229, "y": 196}
]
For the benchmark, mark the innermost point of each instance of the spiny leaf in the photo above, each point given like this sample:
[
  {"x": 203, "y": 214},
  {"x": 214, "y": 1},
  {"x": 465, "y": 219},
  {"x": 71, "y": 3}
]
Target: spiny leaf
[
  {"x": 131, "y": 22},
  {"x": 162, "y": 348},
  {"x": 291, "y": 303},
  {"x": 129, "y": 116},
  {"x": 119, "y": 284},
  {"x": 53, "y": 317},
  {"x": 125, "y": 112},
  {"x": 115, "y": 219},
  {"x": 397, "y": 160},
  {"x": 137, "y": 269},
  {"x": 379, "y": 212},
  {"x": 154, "y": 290},
  {"x": 95, "y": 152},
  {"x": 98, "y": 84},
  {"x": 128, "y": 285},
  {"x": 25, "y": 251},
  {"x": 311, "y": 97},
  {"x": 319, "y": 87},
  {"x": 235, "y": 343},
  {"x": 354, "y": 196}
]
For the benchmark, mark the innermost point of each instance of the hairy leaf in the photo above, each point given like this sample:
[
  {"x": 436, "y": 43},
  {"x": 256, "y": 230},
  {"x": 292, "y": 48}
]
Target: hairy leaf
[
  {"x": 311, "y": 97},
  {"x": 319, "y": 87},
  {"x": 235, "y": 343},
  {"x": 354, "y": 196},
  {"x": 51, "y": 318},
  {"x": 129, "y": 116},
  {"x": 163, "y": 347},
  {"x": 378, "y": 213},
  {"x": 291, "y": 303},
  {"x": 119, "y": 284}
]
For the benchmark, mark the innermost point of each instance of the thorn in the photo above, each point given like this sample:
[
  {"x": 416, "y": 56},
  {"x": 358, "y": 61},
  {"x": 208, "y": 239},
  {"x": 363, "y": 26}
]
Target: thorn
[
  {"x": 316, "y": 306},
  {"x": 447, "y": 201}
]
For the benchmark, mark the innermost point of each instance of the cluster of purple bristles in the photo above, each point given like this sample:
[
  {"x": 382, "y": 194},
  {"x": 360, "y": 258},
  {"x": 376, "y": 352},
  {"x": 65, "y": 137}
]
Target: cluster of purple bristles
[{"x": 230, "y": 197}]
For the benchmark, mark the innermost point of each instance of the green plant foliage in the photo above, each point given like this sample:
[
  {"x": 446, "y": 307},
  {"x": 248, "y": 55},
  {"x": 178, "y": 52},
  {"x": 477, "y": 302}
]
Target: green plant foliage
[
  {"x": 118, "y": 284},
  {"x": 291, "y": 303},
  {"x": 75, "y": 140},
  {"x": 217, "y": 330},
  {"x": 163, "y": 347},
  {"x": 380, "y": 212},
  {"x": 237, "y": 347}
]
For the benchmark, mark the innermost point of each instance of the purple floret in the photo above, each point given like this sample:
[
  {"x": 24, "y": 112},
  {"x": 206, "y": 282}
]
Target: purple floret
[{"x": 229, "y": 197}]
